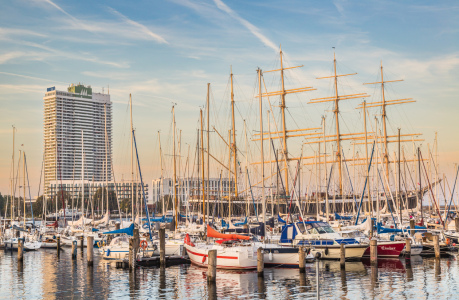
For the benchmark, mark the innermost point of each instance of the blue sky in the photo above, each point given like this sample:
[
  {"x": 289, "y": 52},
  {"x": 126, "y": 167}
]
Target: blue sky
[{"x": 165, "y": 52}]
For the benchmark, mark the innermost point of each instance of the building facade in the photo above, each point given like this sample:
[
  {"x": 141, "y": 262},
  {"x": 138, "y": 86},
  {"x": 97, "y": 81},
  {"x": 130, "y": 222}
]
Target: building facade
[
  {"x": 73, "y": 189},
  {"x": 190, "y": 188},
  {"x": 72, "y": 118}
]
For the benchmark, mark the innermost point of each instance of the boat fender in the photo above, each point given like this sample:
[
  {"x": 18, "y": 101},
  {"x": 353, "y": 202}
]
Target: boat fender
[
  {"x": 108, "y": 252},
  {"x": 270, "y": 256},
  {"x": 326, "y": 251},
  {"x": 448, "y": 241},
  {"x": 318, "y": 255},
  {"x": 204, "y": 258},
  {"x": 308, "y": 250}
]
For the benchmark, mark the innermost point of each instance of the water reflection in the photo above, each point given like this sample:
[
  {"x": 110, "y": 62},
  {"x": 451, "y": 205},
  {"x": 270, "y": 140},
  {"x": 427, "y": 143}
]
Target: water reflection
[{"x": 41, "y": 275}]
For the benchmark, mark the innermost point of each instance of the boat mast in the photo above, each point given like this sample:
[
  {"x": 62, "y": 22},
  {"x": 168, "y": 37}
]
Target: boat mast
[
  {"x": 208, "y": 149},
  {"x": 229, "y": 177},
  {"x": 161, "y": 178},
  {"x": 132, "y": 162},
  {"x": 261, "y": 140},
  {"x": 336, "y": 99},
  {"x": 203, "y": 182},
  {"x": 338, "y": 137},
  {"x": 175, "y": 170},
  {"x": 234, "y": 136},
  {"x": 13, "y": 189},
  {"x": 106, "y": 152},
  {"x": 24, "y": 186},
  {"x": 327, "y": 205},
  {"x": 284, "y": 128},
  {"x": 369, "y": 203},
  {"x": 82, "y": 176}
]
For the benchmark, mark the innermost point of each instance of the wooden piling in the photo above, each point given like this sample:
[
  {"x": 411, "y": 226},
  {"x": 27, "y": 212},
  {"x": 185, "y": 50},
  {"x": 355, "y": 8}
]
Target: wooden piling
[
  {"x": 81, "y": 243},
  {"x": 74, "y": 249},
  {"x": 162, "y": 247},
  {"x": 436, "y": 246},
  {"x": 412, "y": 227},
  {"x": 301, "y": 260},
  {"x": 90, "y": 250},
  {"x": 408, "y": 249},
  {"x": 374, "y": 251},
  {"x": 456, "y": 222},
  {"x": 211, "y": 265},
  {"x": 260, "y": 261},
  {"x": 342, "y": 256},
  {"x": 132, "y": 254},
  {"x": 58, "y": 245},
  {"x": 20, "y": 249},
  {"x": 372, "y": 222},
  {"x": 117, "y": 227}
]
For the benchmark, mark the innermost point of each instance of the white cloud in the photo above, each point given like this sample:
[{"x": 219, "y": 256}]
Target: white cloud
[
  {"x": 141, "y": 28},
  {"x": 252, "y": 28}
]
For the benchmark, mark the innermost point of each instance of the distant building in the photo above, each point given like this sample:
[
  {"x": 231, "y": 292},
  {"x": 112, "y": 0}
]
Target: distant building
[
  {"x": 73, "y": 189},
  {"x": 68, "y": 114},
  {"x": 190, "y": 188}
]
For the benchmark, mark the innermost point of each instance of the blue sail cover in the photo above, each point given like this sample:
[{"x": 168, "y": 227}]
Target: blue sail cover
[
  {"x": 129, "y": 230},
  {"x": 338, "y": 217},
  {"x": 241, "y": 223},
  {"x": 280, "y": 219},
  {"x": 224, "y": 224},
  {"x": 162, "y": 219},
  {"x": 382, "y": 229}
]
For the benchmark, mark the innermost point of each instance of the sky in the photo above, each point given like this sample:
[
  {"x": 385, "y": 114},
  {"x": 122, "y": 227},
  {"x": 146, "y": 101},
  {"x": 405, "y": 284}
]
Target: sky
[{"x": 165, "y": 52}]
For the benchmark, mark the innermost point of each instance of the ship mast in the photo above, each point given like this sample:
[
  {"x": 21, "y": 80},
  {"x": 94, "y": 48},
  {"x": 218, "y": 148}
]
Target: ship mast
[
  {"x": 336, "y": 99},
  {"x": 234, "y": 137},
  {"x": 283, "y": 133},
  {"x": 383, "y": 105}
]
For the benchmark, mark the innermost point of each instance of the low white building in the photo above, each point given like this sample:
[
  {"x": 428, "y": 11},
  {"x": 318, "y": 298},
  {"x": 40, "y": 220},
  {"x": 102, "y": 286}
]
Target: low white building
[{"x": 190, "y": 188}]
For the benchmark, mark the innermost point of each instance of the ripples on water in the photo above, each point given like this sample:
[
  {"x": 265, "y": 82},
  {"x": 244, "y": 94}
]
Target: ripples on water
[{"x": 43, "y": 275}]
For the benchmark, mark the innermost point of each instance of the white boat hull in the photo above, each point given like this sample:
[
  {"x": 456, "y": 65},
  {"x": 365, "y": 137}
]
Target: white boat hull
[{"x": 232, "y": 258}]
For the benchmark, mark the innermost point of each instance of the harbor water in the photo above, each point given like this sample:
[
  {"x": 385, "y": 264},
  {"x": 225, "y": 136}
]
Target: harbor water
[{"x": 43, "y": 275}]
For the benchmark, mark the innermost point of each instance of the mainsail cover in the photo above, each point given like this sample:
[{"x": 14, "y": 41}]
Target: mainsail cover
[
  {"x": 128, "y": 231},
  {"x": 215, "y": 234}
]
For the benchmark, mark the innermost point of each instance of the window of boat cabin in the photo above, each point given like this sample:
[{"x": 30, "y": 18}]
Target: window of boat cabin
[{"x": 322, "y": 227}]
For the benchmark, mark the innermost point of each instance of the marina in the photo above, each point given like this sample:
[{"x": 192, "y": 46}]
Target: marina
[{"x": 220, "y": 149}]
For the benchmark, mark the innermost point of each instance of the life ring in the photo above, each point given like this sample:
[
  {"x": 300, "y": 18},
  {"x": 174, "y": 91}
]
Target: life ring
[
  {"x": 99, "y": 244},
  {"x": 143, "y": 244}
]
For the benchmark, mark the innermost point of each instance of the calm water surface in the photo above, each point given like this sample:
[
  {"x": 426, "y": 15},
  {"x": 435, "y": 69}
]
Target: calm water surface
[{"x": 44, "y": 275}]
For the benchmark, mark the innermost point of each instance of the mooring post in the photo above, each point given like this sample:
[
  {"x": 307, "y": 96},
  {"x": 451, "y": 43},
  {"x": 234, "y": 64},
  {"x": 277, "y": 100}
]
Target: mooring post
[
  {"x": 117, "y": 227},
  {"x": 374, "y": 251},
  {"x": 342, "y": 256},
  {"x": 58, "y": 245},
  {"x": 436, "y": 246},
  {"x": 372, "y": 222},
  {"x": 211, "y": 265},
  {"x": 260, "y": 261},
  {"x": 408, "y": 248},
  {"x": 131, "y": 254},
  {"x": 74, "y": 249},
  {"x": 162, "y": 247},
  {"x": 412, "y": 227},
  {"x": 20, "y": 249},
  {"x": 301, "y": 259},
  {"x": 456, "y": 222},
  {"x": 90, "y": 250}
]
